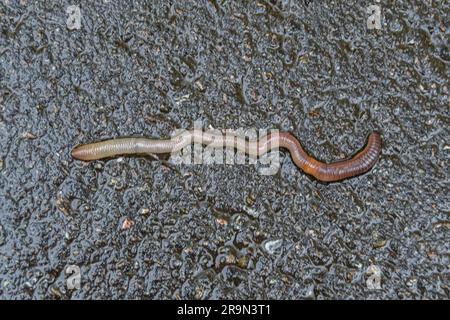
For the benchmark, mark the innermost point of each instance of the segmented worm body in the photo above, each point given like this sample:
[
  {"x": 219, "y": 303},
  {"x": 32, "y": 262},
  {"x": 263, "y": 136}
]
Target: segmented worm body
[{"x": 362, "y": 162}]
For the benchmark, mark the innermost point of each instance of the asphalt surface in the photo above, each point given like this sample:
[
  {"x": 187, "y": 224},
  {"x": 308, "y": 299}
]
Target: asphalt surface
[{"x": 138, "y": 227}]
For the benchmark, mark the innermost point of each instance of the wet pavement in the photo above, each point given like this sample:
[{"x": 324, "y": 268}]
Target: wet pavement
[{"x": 138, "y": 227}]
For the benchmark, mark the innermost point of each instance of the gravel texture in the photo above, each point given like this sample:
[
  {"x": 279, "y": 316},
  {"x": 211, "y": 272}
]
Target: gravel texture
[{"x": 142, "y": 228}]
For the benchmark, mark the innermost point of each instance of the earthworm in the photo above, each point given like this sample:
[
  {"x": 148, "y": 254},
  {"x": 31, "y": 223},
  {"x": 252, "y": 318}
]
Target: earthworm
[{"x": 362, "y": 162}]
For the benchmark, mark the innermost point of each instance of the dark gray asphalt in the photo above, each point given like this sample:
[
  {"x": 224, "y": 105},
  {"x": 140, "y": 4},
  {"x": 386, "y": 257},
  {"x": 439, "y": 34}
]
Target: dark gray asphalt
[{"x": 137, "y": 228}]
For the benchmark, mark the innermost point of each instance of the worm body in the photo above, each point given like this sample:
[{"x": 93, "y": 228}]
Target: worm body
[{"x": 362, "y": 162}]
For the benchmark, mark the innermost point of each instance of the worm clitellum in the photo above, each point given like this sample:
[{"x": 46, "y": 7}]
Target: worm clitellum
[{"x": 362, "y": 162}]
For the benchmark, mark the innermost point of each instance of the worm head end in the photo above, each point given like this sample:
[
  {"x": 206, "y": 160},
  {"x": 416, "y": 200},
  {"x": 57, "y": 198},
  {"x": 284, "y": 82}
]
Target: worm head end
[{"x": 78, "y": 153}]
